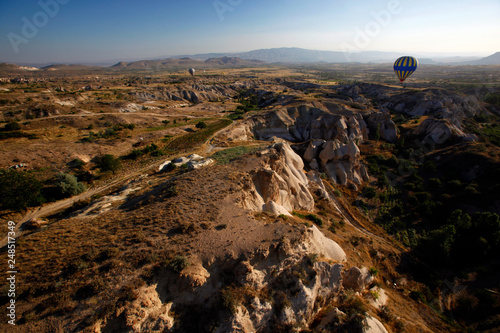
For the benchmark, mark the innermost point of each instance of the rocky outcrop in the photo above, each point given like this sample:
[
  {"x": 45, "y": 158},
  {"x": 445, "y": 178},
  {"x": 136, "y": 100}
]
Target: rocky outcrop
[
  {"x": 373, "y": 325},
  {"x": 280, "y": 184},
  {"x": 193, "y": 162},
  {"x": 440, "y": 131},
  {"x": 195, "y": 93},
  {"x": 318, "y": 243},
  {"x": 436, "y": 102},
  {"x": 301, "y": 287},
  {"x": 357, "y": 279},
  {"x": 381, "y": 124},
  {"x": 341, "y": 162},
  {"x": 144, "y": 314},
  {"x": 310, "y": 123}
]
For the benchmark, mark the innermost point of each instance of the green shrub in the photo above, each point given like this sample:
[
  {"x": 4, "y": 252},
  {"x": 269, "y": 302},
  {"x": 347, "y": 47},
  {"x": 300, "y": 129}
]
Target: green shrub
[
  {"x": 178, "y": 264},
  {"x": 201, "y": 124},
  {"x": 311, "y": 217},
  {"x": 68, "y": 185},
  {"x": 108, "y": 163},
  {"x": 134, "y": 154},
  {"x": 76, "y": 163}
]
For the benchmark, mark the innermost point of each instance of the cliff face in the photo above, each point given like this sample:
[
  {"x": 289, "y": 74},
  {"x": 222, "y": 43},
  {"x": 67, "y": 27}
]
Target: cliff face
[
  {"x": 279, "y": 185},
  {"x": 281, "y": 284},
  {"x": 300, "y": 287},
  {"x": 309, "y": 123},
  {"x": 332, "y": 137}
]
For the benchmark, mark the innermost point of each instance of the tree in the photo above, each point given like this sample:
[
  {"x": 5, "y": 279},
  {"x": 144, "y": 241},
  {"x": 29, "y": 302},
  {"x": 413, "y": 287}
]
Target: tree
[
  {"x": 68, "y": 185},
  {"x": 19, "y": 189},
  {"x": 109, "y": 163},
  {"x": 201, "y": 125}
]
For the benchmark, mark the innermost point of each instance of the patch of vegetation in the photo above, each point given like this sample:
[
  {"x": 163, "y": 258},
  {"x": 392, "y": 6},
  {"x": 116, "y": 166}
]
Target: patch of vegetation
[
  {"x": 227, "y": 155},
  {"x": 311, "y": 217},
  {"x": 68, "y": 185},
  {"x": 236, "y": 115},
  {"x": 192, "y": 140},
  {"x": 16, "y": 134},
  {"x": 248, "y": 101},
  {"x": 13, "y": 130},
  {"x": 178, "y": 264},
  {"x": 230, "y": 299},
  {"x": 19, "y": 189},
  {"x": 463, "y": 238},
  {"x": 108, "y": 163},
  {"x": 151, "y": 149},
  {"x": 201, "y": 125},
  {"x": 109, "y": 133}
]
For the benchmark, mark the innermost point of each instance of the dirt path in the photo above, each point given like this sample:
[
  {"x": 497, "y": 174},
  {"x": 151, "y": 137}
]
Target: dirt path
[
  {"x": 60, "y": 205},
  {"x": 57, "y": 206}
]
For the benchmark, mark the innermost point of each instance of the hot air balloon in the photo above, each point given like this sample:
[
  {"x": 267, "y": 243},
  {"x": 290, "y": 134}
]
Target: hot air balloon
[
  {"x": 405, "y": 66},
  {"x": 191, "y": 71}
]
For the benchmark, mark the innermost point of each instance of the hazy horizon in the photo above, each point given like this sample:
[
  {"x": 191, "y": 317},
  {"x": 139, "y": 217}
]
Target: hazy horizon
[{"x": 67, "y": 31}]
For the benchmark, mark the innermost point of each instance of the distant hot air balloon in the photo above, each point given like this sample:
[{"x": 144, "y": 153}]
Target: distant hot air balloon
[
  {"x": 191, "y": 71},
  {"x": 405, "y": 66}
]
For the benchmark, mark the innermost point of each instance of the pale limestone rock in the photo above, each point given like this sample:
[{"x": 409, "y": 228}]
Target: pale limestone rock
[
  {"x": 374, "y": 326},
  {"x": 280, "y": 184},
  {"x": 261, "y": 312},
  {"x": 144, "y": 314},
  {"x": 197, "y": 164},
  {"x": 195, "y": 158},
  {"x": 163, "y": 165},
  {"x": 274, "y": 208},
  {"x": 320, "y": 244},
  {"x": 379, "y": 301},
  {"x": 192, "y": 277},
  {"x": 357, "y": 279},
  {"x": 312, "y": 150},
  {"x": 180, "y": 161}
]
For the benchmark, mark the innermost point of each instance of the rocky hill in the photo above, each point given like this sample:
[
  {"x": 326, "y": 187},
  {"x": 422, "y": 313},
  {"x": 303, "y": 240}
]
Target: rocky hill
[{"x": 178, "y": 63}]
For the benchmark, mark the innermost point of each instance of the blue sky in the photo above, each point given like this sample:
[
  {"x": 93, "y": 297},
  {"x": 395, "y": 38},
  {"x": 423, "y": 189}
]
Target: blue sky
[{"x": 77, "y": 31}]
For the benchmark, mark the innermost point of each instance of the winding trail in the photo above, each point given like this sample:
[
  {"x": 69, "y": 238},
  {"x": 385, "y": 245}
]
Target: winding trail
[{"x": 60, "y": 205}]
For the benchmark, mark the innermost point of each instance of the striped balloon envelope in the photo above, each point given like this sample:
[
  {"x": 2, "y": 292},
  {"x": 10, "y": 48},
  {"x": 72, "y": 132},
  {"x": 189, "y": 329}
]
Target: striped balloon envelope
[{"x": 405, "y": 66}]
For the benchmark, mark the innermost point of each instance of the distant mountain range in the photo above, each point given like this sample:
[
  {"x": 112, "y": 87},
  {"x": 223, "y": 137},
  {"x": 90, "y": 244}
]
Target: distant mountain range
[
  {"x": 298, "y": 55},
  {"x": 285, "y": 55},
  {"x": 288, "y": 55},
  {"x": 493, "y": 59},
  {"x": 185, "y": 62}
]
